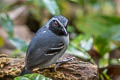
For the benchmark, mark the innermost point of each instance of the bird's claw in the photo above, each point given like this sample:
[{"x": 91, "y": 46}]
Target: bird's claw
[{"x": 58, "y": 63}]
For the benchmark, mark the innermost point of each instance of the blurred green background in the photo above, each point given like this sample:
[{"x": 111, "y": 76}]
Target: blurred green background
[{"x": 94, "y": 27}]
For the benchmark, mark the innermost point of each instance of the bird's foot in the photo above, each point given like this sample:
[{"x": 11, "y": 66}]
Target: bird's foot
[{"x": 58, "y": 63}]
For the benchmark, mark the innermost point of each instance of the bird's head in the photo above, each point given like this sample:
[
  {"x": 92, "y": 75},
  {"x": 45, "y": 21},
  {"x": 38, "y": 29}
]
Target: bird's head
[{"x": 58, "y": 25}]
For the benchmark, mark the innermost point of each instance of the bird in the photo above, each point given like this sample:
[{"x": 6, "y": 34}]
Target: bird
[{"x": 48, "y": 45}]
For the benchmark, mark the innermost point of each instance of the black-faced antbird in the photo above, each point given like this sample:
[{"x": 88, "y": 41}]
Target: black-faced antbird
[{"x": 48, "y": 45}]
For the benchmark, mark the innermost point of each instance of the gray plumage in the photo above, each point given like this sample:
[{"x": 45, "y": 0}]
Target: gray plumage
[{"x": 47, "y": 46}]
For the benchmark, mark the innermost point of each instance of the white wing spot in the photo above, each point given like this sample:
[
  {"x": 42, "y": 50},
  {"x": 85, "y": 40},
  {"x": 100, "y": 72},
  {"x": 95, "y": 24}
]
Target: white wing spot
[{"x": 44, "y": 31}]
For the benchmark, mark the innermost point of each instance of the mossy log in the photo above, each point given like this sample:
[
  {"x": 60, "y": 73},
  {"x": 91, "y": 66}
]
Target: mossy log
[{"x": 72, "y": 70}]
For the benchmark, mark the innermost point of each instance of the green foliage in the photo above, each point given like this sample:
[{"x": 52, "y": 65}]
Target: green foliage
[
  {"x": 104, "y": 61},
  {"x": 1, "y": 41},
  {"x": 105, "y": 29},
  {"x": 16, "y": 53},
  {"x": 83, "y": 41},
  {"x": 79, "y": 53},
  {"x": 4, "y": 7},
  {"x": 52, "y": 6},
  {"x": 7, "y": 23},
  {"x": 20, "y": 44},
  {"x": 32, "y": 77},
  {"x": 80, "y": 45},
  {"x": 70, "y": 29},
  {"x": 84, "y": 1},
  {"x": 115, "y": 61},
  {"x": 104, "y": 75},
  {"x": 119, "y": 60}
]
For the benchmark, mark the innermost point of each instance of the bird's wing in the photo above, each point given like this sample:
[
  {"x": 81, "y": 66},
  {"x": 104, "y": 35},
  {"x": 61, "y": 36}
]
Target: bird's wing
[
  {"x": 53, "y": 50},
  {"x": 42, "y": 56}
]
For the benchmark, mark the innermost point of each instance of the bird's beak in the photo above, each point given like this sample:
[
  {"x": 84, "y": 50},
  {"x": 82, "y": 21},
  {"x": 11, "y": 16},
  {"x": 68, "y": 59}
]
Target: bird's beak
[{"x": 65, "y": 31}]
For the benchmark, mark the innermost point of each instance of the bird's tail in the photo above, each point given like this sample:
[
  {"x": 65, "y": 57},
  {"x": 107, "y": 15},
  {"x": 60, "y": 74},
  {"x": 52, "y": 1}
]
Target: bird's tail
[{"x": 25, "y": 71}]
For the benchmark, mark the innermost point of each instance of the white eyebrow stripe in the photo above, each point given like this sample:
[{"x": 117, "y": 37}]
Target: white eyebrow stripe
[
  {"x": 66, "y": 23},
  {"x": 54, "y": 19},
  {"x": 44, "y": 31}
]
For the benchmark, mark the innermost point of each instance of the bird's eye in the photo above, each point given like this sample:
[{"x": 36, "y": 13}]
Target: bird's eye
[{"x": 56, "y": 23}]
